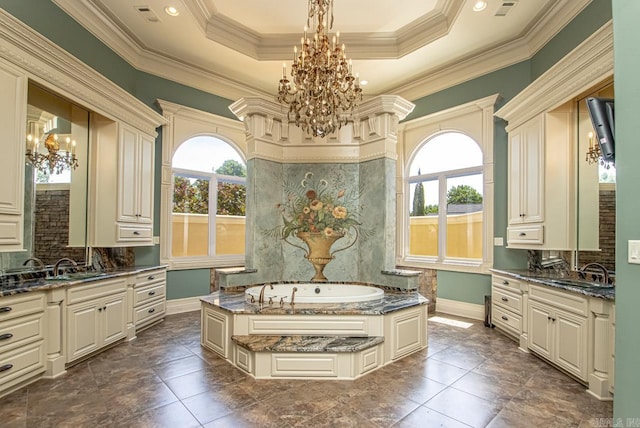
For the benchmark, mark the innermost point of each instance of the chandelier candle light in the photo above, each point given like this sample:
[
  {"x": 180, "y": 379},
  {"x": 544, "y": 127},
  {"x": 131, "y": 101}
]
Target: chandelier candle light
[
  {"x": 53, "y": 160},
  {"x": 322, "y": 93}
]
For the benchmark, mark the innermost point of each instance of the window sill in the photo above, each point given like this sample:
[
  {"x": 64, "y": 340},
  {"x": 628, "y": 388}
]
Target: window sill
[
  {"x": 448, "y": 265},
  {"x": 205, "y": 262}
]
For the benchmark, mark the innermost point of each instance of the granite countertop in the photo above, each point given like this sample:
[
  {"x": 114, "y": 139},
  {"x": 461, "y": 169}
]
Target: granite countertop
[
  {"x": 236, "y": 303},
  {"x": 19, "y": 285},
  {"x": 607, "y": 293}
]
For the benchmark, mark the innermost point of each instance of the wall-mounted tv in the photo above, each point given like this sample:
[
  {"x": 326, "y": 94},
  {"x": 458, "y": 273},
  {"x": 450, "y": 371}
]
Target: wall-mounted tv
[{"x": 601, "y": 112}]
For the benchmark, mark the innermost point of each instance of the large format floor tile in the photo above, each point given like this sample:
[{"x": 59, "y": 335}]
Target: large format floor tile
[{"x": 468, "y": 377}]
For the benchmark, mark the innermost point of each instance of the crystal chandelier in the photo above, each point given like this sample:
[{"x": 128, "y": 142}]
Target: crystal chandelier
[
  {"x": 322, "y": 93},
  {"x": 55, "y": 159},
  {"x": 594, "y": 155}
]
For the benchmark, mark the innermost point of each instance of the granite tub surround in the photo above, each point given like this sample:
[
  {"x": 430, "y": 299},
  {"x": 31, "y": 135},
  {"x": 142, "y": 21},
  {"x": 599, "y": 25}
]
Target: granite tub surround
[
  {"x": 313, "y": 340},
  {"x": 548, "y": 278}
]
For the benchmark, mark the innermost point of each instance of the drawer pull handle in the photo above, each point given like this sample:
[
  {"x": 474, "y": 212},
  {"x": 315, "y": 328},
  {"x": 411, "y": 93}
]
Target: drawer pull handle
[
  {"x": 6, "y": 336},
  {"x": 150, "y": 277},
  {"x": 522, "y": 234},
  {"x": 6, "y": 367},
  {"x": 152, "y": 310},
  {"x": 99, "y": 309},
  {"x": 151, "y": 293},
  {"x": 504, "y": 299},
  {"x": 135, "y": 232},
  {"x": 504, "y": 318},
  {"x": 505, "y": 282},
  {"x": 5, "y": 309}
]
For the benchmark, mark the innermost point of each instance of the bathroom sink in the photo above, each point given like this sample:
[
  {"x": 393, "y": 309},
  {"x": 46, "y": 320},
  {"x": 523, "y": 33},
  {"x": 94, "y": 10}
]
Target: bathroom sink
[{"x": 579, "y": 283}]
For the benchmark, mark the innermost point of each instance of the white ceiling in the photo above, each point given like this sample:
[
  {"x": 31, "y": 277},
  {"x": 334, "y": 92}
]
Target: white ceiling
[{"x": 407, "y": 47}]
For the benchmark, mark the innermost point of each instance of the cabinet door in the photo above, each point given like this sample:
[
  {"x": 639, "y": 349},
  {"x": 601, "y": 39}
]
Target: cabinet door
[
  {"x": 127, "y": 175},
  {"x": 533, "y": 170},
  {"x": 13, "y": 114},
  {"x": 145, "y": 176},
  {"x": 83, "y": 329},
  {"x": 516, "y": 175},
  {"x": 570, "y": 343},
  {"x": 540, "y": 329},
  {"x": 114, "y": 318}
]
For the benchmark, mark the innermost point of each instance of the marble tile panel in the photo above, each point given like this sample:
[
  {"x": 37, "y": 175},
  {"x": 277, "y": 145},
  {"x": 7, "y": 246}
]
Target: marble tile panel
[
  {"x": 488, "y": 387},
  {"x": 440, "y": 372},
  {"x": 338, "y": 416},
  {"x": 464, "y": 358},
  {"x": 464, "y": 407},
  {"x": 169, "y": 416},
  {"x": 382, "y": 409},
  {"x": 179, "y": 367},
  {"x": 424, "y": 417},
  {"x": 217, "y": 403}
]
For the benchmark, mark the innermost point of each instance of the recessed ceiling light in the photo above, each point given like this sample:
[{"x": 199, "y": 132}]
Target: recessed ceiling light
[
  {"x": 364, "y": 82},
  {"x": 171, "y": 11},
  {"x": 479, "y": 5}
]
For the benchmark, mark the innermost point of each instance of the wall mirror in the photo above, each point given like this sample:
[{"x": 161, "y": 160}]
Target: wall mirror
[
  {"x": 56, "y": 165},
  {"x": 596, "y": 190}
]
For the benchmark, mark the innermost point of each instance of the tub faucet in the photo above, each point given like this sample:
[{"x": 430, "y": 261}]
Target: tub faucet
[
  {"x": 35, "y": 260},
  {"x": 261, "y": 299},
  {"x": 56, "y": 267},
  {"x": 293, "y": 295},
  {"x": 604, "y": 277}
]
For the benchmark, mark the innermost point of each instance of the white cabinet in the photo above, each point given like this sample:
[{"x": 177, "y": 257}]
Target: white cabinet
[
  {"x": 149, "y": 298},
  {"x": 96, "y": 316},
  {"x": 13, "y": 113},
  {"x": 508, "y": 307},
  {"x": 22, "y": 333},
  {"x": 558, "y": 329},
  {"x": 122, "y": 184},
  {"x": 541, "y": 185}
]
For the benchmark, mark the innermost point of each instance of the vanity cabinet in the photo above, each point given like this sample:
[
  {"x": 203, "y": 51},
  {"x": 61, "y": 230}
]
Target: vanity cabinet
[
  {"x": 149, "y": 298},
  {"x": 13, "y": 111},
  {"x": 96, "y": 316},
  {"x": 508, "y": 307},
  {"x": 22, "y": 344},
  {"x": 558, "y": 328},
  {"x": 122, "y": 184},
  {"x": 541, "y": 184}
]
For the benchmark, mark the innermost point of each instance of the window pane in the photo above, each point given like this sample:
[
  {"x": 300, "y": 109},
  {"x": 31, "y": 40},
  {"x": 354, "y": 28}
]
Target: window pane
[
  {"x": 423, "y": 221},
  {"x": 190, "y": 217},
  {"x": 209, "y": 154},
  {"x": 230, "y": 218},
  {"x": 446, "y": 152},
  {"x": 464, "y": 217}
]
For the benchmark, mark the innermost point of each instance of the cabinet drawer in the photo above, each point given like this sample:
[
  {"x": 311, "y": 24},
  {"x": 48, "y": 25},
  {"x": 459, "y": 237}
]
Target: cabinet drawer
[
  {"x": 21, "y": 363},
  {"x": 133, "y": 233},
  {"x": 149, "y": 312},
  {"x": 506, "y": 282},
  {"x": 20, "y": 331},
  {"x": 94, "y": 289},
  {"x": 507, "y": 319},
  {"x": 21, "y": 304},
  {"x": 507, "y": 299},
  {"x": 533, "y": 234},
  {"x": 146, "y": 294},
  {"x": 150, "y": 277},
  {"x": 570, "y": 302}
]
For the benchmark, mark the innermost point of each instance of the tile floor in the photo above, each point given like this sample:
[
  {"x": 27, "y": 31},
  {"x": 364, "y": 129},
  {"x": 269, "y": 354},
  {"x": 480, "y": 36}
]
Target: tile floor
[{"x": 467, "y": 377}]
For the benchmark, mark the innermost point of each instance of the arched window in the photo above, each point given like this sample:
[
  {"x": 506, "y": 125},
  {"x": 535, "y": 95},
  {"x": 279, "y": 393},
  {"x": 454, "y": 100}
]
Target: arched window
[
  {"x": 446, "y": 202},
  {"x": 209, "y": 199}
]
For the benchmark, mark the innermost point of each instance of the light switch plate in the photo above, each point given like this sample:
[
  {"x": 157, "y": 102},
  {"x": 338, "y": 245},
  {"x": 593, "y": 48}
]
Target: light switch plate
[
  {"x": 498, "y": 242},
  {"x": 156, "y": 240},
  {"x": 634, "y": 252}
]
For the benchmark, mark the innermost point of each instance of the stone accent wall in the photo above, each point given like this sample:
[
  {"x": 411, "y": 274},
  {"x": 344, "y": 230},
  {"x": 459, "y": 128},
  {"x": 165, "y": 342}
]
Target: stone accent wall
[
  {"x": 427, "y": 285},
  {"x": 51, "y": 228},
  {"x": 607, "y": 254}
]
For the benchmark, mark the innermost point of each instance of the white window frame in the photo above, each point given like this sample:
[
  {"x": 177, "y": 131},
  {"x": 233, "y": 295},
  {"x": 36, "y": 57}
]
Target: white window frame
[
  {"x": 183, "y": 124},
  {"x": 474, "y": 119}
]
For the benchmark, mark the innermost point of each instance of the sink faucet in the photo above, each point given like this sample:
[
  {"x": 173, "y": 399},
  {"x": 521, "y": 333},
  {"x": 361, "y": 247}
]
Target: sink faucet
[
  {"x": 261, "y": 299},
  {"x": 56, "y": 267},
  {"x": 604, "y": 277},
  {"x": 35, "y": 260}
]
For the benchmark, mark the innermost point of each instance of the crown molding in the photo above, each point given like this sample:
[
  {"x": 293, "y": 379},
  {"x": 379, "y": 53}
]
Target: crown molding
[
  {"x": 48, "y": 64},
  {"x": 587, "y": 64},
  {"x": 494, "y": 58}
]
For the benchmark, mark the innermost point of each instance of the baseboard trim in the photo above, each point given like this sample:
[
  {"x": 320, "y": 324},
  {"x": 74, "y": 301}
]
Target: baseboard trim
[
  {"x": 461, "y": 309},
  {"x": 179, "y": 306}
]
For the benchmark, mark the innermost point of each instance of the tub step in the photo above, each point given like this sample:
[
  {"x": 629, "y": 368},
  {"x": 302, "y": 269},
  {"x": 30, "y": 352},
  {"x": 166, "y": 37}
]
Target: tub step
[{"x": 331, "y": 344}]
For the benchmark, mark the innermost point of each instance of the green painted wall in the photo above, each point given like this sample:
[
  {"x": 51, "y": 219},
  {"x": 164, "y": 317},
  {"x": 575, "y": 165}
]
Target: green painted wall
[
  {"x": 187, "y": 283},
  {"x": 626, "y": 33},
  {"x": 464, "y": 287}
]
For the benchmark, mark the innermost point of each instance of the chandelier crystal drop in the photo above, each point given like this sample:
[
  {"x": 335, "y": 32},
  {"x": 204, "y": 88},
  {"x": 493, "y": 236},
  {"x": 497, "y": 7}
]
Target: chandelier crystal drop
[{"x": 323, "y": 93}]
